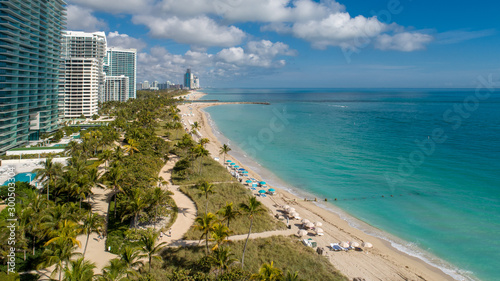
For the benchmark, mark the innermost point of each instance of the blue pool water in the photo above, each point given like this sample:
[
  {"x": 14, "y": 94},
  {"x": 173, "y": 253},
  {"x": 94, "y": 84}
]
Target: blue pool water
[
  {"x": 24, "y": 177},
  {"x": 422, "y": 165}
]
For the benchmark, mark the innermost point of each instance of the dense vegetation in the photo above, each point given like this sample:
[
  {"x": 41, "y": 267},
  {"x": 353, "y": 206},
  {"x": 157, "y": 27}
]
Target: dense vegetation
[{"x": 125, "y": 158}]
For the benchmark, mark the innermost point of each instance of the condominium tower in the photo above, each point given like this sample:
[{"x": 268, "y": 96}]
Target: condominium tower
[
  {"x": 121, "y": 62},
  {"x": 30, "y": 49},
  {"x": 82, "y": 75}
]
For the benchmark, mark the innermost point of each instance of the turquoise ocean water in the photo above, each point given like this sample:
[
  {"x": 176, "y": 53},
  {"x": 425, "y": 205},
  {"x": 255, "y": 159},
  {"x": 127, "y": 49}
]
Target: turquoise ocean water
[{"x": 420, "y": 165}]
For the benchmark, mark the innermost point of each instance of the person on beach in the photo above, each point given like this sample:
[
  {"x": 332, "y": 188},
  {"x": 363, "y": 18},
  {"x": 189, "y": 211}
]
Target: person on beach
[{"x": 170, "y": 232}]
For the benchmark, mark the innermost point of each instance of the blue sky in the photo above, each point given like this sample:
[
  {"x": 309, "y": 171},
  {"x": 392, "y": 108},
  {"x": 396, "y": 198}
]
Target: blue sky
[{"x": 302, "y": 43}]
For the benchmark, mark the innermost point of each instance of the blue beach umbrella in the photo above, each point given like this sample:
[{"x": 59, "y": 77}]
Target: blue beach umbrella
[
  {"x": 241, "y": 169},
  {"x": 271, "y": 190},
  {"x": 262, "y": 191},
  {"x": 245, "y": 172},
  {"x": 248, "y": 181},
  {"x": 236, "y": 166},
  {"x": 262, "y": 182},
  {"x": 232, "y": 163},
  {"x": 229, "y": 161}
]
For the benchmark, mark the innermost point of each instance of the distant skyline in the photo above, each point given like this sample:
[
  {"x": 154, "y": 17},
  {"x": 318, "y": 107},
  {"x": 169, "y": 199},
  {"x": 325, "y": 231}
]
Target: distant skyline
[{"x": 302, "y": 43}]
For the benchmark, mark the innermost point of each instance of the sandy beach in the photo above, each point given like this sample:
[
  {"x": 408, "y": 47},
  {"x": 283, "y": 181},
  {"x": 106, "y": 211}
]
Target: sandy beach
[{"x": 382, "y": 262}]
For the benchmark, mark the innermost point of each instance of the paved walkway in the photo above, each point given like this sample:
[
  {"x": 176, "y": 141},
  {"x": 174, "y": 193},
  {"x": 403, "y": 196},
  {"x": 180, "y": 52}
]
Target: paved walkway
[{"x": 186, "y": 207}]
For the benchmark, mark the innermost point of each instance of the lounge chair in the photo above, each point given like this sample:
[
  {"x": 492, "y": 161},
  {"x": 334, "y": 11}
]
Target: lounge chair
[{"x": 336, "y": 247}]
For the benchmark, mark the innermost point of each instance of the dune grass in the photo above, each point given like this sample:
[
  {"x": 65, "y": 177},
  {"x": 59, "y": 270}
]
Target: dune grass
[
  {"x": 211, "y": 171},
  {"x": 226, "y": 193},
  {"x": 287, "y": 253}
]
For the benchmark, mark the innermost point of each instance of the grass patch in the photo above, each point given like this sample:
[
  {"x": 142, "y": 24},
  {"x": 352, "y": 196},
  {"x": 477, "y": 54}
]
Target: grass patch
[
  {"x": 211, "y": 171},
  {"x": 226, "y": 193},
  {"x": 287, "y": 253}
]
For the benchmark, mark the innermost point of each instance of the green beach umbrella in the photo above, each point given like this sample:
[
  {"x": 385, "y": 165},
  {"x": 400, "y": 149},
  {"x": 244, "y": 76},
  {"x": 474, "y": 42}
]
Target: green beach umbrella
[{"x": 262, "y": 191}]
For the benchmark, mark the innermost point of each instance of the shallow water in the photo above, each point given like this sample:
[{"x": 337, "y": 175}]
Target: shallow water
[{"x": 418, "y": 164}]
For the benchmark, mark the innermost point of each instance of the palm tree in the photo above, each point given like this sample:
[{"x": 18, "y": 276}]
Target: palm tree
[
  {"x": 195, "y": 126},
  {"x": 199, "y": 152},
  {"x": 252, "y": 208},
  {"x": 223, "y": 258},
  {"x": 114, "y": 178},
  {"x": 130, "y": 258},
  {"x": 228, "y": 213},
  {"x": 149, "y": 249},
  {"x": 79, "y": 270},
  {"x": 106, "y": 156},
  {"x": 131, "y": 147},
  {"x": 206, "y": 188},
  {"x": 220, "y": 233},
  {"x": 135, "y": 205},
  {"x": 91, "y": 223},
  {"x": 49, "y": 173},
  {"x": 204, "y": 141},
  {"x": 59, "y": 254},
  {"x": 177, "y": 127},
  {"x": 268, "y": 272},
  {"x": 157, "y": 197},
  {"x": 115, "y": 271},
  {"x": 205, "y": 223},
  {"x": 118, "y": 155},
  {"x": 159, "y": 181},
  {"x": 224, "y": 149},
  {"x": 66, "y": 232}
]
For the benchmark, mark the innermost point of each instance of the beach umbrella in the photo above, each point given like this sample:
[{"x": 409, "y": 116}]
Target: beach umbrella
[
  {"x": 248, "y": 181},
  {"x": 262, "y": 182},
  {"x": 309, "y": 224},
  {"x": 245, "y": 172},
  {"x": 354, "y": 244},
  {"x": 318, "y": 223},
  {"x": 271, "y": 190},
  {"x": 229, "y": 161},
  {"x": 286, "y": 207},
  {"x": 236, "y": 166},
  {"x": 290, "y": 209},
  {"x": 293, "y": 214},
  {"x": 262, "y": 191},
  {"x": 344, "y": 244},
  {"x": 241, "y": 169},
  {"x": 320, "y": 230},
  {"x": 232, "y": 163},
  {"x": 302, "y": 232},
  {"x": 367, "y": 245},
  {"x": 305, "y": 221}
]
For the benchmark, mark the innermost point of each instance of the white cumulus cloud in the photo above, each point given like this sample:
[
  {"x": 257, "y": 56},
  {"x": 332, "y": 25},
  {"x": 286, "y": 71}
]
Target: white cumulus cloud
[
  {"x": 115, "y": 39},
  {"x": 404, "y": 41},
  {"x": 115, "y": 6},
  {"x": 81, "y": 19},
  {"x": 200, "y": 31},
  {"x": 161, "y": 65}
]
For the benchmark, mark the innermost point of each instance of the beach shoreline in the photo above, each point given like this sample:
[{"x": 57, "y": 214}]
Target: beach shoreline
[{"x": 383, "y": 262}]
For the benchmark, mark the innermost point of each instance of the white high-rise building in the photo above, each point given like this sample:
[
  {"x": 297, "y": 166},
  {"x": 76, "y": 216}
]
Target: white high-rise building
[
  {"x": 116, "y": 88},
  {"x": 81, "y": 77},
  {"x": 122, "y": 62},
  {"x": 145, "y": 85}
]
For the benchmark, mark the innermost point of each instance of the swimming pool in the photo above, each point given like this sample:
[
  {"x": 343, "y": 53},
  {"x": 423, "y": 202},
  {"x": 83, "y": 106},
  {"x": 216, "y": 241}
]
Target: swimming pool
[{"x": 25, "y": 177}]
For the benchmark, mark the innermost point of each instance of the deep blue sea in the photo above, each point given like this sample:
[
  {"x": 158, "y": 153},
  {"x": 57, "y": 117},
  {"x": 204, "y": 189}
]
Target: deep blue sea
[{"x": 420, "y": 165}]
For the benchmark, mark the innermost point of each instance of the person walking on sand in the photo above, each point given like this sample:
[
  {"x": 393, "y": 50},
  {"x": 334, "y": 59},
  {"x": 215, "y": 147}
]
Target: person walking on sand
[{"x": 170, "y": 232}]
